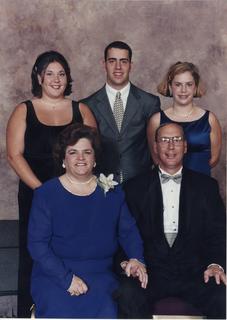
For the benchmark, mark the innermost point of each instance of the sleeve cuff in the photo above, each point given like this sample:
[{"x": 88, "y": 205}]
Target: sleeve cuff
[{"x": 215, "y": 264}]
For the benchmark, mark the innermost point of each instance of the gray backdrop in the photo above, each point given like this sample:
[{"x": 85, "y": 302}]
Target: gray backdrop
[{"x": 159, "y": 32}]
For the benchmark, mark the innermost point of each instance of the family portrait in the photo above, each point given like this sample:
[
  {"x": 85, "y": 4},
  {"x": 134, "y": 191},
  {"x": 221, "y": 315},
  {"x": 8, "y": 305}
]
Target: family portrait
[{"x": 113, "y": 159}]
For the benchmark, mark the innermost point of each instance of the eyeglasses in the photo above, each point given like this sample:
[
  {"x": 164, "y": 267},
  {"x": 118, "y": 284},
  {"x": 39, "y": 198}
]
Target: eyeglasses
[{"x": 166, "y": 140}]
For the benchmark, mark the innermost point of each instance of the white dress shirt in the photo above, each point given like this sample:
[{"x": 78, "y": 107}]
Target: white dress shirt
[
  {"x": 171, "y": 197},
  {"x": 111, "y": 93}
]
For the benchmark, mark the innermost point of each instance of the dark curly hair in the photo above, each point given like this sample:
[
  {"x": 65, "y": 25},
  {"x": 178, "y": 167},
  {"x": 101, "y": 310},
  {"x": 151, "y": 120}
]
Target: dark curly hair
[
  {"x": 70, "y": 136},
  {"x": 42, "y": 62}
]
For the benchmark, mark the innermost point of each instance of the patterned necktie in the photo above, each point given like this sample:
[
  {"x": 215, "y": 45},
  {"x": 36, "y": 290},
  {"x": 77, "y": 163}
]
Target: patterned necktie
[
  {"x": 165, "y": 178},
  {"x": 118, "y": 110}
]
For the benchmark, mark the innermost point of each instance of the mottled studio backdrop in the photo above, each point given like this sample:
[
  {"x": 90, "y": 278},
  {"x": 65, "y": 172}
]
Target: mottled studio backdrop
[{"x": 160, "y": 33}]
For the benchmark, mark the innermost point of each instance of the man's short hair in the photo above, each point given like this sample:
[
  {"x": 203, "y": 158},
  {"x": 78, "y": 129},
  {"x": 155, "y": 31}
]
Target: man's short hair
[
  {"x": 167, "y": 124},
  {"x": 118, "y": 45}
]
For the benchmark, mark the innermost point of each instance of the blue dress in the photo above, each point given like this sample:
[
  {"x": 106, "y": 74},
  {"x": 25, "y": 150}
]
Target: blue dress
[
  {"x": 197, "y": 133},
  {"x": 79, "y": 235}
]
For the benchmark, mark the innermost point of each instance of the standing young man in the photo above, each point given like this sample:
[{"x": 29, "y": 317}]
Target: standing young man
[{"x": 122, "y": 111}]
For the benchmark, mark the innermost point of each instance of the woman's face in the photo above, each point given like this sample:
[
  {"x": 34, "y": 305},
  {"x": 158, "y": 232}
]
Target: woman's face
[
  {"x": 183, "y": 88},
  {"x": 80, "y": 159},
  {"x": 53, "y": 80}
]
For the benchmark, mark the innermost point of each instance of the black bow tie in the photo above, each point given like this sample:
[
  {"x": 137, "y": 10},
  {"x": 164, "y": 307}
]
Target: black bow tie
[{"x": 165, "y": 178}]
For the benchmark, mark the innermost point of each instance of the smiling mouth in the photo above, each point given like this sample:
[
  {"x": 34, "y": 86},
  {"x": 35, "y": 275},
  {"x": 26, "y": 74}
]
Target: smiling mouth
[
  {"x": 170, "y": 156},
  {"x": 56, "y": 86},
  {"x": 183, "y": 96}
]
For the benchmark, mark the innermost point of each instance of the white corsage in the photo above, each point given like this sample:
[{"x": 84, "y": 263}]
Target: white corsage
[{"x": 106, "y": 183}]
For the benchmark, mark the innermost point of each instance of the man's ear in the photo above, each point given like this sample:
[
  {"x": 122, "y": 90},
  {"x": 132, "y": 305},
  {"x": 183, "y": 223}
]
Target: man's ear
[
  {"x": 103, "y": 63},
  {"x": 185, "y": 146},
  {"x": 155, "y": 147}
]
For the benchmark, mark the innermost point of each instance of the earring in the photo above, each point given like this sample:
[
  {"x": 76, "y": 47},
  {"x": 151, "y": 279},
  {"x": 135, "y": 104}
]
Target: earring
[
  {"x": 63, "y": 165},
  {"x": 94, "y": 165}
]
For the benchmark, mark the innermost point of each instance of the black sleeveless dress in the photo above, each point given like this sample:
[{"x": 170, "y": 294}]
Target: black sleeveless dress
[{"x": 39, "y": 141}]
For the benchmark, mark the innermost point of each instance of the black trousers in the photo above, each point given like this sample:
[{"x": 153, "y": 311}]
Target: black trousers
[{"x": 136, "y": 302}]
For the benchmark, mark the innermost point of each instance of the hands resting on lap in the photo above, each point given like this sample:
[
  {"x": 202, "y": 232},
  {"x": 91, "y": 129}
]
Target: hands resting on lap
[
  {"x": 136, "y": 269},
  {"x": 77, "y": 287},
  {"x": 133, "y": 268}
]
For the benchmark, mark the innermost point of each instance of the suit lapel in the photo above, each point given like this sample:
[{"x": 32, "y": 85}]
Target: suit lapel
[
  {"x": 104, "y": 108},
  {"x": 132, "y": 107},
  {"x": 186, "y": 200},
  {"x": 155, "y": 201}
]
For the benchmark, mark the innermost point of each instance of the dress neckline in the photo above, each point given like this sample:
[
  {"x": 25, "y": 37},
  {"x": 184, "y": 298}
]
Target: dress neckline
[
  {"x": 49, "y": 125},
  {"x": 77, "y": 195},
  {"x": 182, "y": 122}
]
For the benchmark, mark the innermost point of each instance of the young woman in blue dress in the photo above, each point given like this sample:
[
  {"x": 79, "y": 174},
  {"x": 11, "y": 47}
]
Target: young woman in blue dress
[
  {"x": 201, "y": 127},
  {"x": 76, "y": 223}
]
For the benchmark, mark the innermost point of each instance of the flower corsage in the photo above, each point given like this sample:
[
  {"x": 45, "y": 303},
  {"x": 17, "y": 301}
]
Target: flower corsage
[{"x": 106, "y": 183}]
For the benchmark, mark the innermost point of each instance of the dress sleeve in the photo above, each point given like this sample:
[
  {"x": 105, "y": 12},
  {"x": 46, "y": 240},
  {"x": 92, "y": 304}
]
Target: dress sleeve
[
  {"x": 39, "y": 243},
  {"x": 129, "y": 236}
]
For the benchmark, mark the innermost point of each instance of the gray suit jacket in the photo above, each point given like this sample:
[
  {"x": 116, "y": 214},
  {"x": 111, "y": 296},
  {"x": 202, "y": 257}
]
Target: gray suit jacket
[{"x": 127, "y": 150}]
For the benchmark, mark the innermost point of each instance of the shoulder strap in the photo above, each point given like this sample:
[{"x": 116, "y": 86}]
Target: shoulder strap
[
  {"x": 77, "y": 117},
  {"x": 163, "y": 118},
  {"x": 30, "y": 111}
]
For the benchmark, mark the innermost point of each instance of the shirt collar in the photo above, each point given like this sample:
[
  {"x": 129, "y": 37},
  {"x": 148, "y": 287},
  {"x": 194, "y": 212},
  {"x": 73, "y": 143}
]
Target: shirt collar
[
  {"x": 124, "y": 91},
  {"x": 163, "y": 171}
]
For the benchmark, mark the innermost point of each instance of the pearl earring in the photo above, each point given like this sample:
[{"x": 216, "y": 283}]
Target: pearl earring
[
  {"x": 63, "y": 165},
  {"x": 94, "y": 165}
]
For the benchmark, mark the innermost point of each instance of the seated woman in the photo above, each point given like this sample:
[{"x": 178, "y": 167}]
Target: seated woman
[
  {"x": 76, "y": 223},
  {"x": 201, "y": 127}
]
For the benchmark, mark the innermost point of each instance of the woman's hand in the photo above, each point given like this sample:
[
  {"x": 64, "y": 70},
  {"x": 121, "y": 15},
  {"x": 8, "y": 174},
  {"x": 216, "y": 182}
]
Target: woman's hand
[
  {"x": 77, "y": 287},
  {"x": 136, "y": 269}
]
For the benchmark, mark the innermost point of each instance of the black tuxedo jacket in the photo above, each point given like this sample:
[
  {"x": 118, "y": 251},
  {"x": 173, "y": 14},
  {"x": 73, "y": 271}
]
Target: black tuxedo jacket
[
  {"x": 201, "y": 233},
  {"x": 127, "y": 150}
]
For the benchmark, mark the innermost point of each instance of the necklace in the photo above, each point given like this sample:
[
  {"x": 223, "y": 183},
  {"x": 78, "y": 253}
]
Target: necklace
[
  {"x": 54, "y": 105},
  {"x": 74, "y": 182},
  {"x": 183, "y": 115}
]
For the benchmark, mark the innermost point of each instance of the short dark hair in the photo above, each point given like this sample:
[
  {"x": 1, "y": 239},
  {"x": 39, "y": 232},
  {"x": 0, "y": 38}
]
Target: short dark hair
[
  {"x": 118, "y": 45},
  {"x": 178, "y": 68},
  {"x": 70, "y": 136},
  {"x": 42, "y": 62},
  {"x": 166, "y": 124}
]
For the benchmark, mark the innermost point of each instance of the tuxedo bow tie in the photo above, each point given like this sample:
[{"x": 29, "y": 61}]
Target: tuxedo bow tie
[{"x": 165, "y": 178}]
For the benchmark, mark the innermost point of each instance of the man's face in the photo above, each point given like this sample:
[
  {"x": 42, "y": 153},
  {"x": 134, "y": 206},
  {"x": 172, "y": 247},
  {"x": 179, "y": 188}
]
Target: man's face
[
  {"x": 170, "y": 147},
  {"x": 117, "y": 67}
]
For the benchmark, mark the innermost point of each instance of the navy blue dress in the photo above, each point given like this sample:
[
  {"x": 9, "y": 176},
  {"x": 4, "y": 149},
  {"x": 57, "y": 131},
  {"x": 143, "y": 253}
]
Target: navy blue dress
[
  {"x": 197, "y": 133},
  {"x": 70, "y": 234}
]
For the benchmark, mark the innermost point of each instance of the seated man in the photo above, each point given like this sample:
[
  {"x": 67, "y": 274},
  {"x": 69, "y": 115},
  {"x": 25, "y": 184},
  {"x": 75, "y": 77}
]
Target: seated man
[{"x": 181, "y": 217}]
